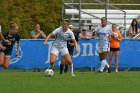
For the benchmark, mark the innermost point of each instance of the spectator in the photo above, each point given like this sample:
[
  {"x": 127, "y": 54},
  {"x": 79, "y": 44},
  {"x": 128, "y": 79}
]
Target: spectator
[
  {"x": 133, "y": 29},
  {"x": 37, "y": 33},
  {"x": 84, "y": 34}
]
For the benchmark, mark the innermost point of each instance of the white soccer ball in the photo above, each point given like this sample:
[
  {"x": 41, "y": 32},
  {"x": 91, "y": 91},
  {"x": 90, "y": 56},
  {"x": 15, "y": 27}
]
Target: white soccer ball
[
  {"x": 49, "y": 72},
  {"x": 116, "y": 35}
]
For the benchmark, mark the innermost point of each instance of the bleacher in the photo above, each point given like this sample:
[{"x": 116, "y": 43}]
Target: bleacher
[{"x": 114, "y": 16}]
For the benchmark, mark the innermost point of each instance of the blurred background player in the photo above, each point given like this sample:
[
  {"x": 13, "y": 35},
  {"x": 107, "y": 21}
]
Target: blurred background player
[
  {"x": 114, "y": 46},
  {"x": 13, "y": 37},
  {"x": 62, "y": 35},
  {"x": 70, "y": 46},
  {"x": 103, "y": 32}
]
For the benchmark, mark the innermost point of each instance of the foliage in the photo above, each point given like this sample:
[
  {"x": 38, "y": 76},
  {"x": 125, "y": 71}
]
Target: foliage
[{"x": 27, "y": 12}]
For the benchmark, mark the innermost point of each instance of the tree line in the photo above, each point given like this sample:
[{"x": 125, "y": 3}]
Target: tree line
[{"x": 28, "y": 12}]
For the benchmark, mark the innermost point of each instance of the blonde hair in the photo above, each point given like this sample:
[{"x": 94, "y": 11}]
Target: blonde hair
[{"x": 13, "y": 25}]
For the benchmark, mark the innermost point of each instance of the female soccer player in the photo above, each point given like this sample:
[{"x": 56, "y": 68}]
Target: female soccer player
[
  {"x": 62, "y": 35},
  {"x": 12, "y": 36},
  {"x": 115, "y": 46},
  {"x": 70, "y": 46},
  {"x": 103, "y": 31}
]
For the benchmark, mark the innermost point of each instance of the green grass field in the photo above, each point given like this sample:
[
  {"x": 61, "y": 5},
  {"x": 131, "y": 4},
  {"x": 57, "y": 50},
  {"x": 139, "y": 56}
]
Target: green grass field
[{"x": 83, "y": 82}]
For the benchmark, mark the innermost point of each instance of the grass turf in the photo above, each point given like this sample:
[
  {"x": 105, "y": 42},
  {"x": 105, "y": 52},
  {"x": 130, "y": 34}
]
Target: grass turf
[{"x": 83, "y": 82}]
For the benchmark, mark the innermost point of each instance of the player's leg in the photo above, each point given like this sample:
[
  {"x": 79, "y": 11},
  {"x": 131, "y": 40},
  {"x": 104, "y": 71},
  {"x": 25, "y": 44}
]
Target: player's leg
[
  {"x": 1, "y": 58},
  {"x": 66, "y": 68},
  {"x": 67, "y": 57},
  {"x": 116, "y": 55},
  {"x": 6, "y": 61},
  {"x": 53, "y": 56},
  {"x": 66, "y": 65},
  {"x": 62, "y": 65},
  {"x": 102, "y": 54},
  {"x": 103, "y": 61},
  {"x": 65, "y": 54},
  {"x": 110, "y": 58}
]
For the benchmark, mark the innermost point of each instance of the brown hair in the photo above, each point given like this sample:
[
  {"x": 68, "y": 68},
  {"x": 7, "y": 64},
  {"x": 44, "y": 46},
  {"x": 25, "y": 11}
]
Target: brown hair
[{"x": 134, "y": 26}]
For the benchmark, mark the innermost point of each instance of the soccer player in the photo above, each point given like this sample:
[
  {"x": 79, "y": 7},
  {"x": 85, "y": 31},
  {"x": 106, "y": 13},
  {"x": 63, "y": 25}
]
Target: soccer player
[
  {"x": 70, "y": 46},
  {"x": 62, "y": 35},
  {"x": 103, "y": 32},
  {"x": 3, "y": 39},
  {"x": 114, "y": 46},
  {"x": 12, "y": 36}
]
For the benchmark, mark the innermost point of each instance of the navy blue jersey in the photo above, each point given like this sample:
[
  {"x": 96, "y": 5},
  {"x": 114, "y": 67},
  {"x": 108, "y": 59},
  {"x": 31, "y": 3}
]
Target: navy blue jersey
[
  {"x": 71, "y": 48},
  {"x": 13, "y": 39}
]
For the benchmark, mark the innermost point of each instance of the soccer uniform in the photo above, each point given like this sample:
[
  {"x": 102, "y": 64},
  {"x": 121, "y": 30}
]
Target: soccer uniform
[
  {"x": 12, "y": 39},
  {"x": 71, "y": 48},
  {"x": 114, "y": 44},
  {"x": 103, "y": 43},
  {"x": 60, "y": 42}
]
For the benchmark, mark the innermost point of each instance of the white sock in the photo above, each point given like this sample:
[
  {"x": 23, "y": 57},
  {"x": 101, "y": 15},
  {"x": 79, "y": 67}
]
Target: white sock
[
  {"x": 106, "y": 64},
  {"x": 103, "y": 63},
  {"x": 71, "y": 68}
]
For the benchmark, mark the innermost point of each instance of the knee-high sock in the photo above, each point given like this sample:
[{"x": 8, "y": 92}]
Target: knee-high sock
[
  {"x": 61, "y": 68},
  {"x": 66, "y": 68},
  {"x": 103, "y": 63},
  {"x": 71, "y": 68},
  {"x": 106, "y": 64}
]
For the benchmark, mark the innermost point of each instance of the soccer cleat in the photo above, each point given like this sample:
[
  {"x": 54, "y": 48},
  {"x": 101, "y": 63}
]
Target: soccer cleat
[
  {"x": 60, "y": 73},
  {"x": 73, "y": 75},
  {"x": 116, "y": 70},
  {"x": 98, "y": 71},
  {"x": 109, "y": 70}
]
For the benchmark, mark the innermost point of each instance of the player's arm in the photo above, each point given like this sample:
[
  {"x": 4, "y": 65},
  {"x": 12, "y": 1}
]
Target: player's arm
[
  {"x": 76, "y": 45},
  {"x": 18, "y": 48},
  {"x": 3, "y": 39},
  {"x": 47, "y": 38}
]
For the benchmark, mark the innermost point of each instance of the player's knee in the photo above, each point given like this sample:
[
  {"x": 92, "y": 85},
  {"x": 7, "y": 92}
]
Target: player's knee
[{"x": 69, "y": 63}]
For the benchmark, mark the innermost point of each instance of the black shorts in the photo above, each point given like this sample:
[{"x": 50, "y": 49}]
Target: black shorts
[
  {"x": 6, "y": 52},
  {"x": 71, "y": 52},
  {"x": 114, "y": 49}
]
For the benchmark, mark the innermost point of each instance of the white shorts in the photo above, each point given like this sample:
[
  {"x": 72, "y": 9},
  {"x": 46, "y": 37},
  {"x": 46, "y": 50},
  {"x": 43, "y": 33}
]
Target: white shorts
[
  {"x": 101, "y": 50},
  {"x": 57, "y": 50}
]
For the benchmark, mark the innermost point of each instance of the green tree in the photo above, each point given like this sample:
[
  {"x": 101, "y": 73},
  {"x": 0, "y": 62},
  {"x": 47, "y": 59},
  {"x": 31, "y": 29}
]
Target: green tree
[{"x": 27, "y": 12}]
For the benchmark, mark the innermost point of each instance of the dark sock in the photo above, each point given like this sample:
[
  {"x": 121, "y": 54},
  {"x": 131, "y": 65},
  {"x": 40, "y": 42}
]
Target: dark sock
[
  {"x": 66, "y": 68},
  {"x": 61, "y": 68}
]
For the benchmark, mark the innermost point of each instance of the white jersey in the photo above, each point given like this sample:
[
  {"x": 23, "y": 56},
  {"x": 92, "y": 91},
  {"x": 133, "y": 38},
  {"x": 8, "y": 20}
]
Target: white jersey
[
  {"x": 103, "y": 33},
  {"x": 62, "y": 37}
]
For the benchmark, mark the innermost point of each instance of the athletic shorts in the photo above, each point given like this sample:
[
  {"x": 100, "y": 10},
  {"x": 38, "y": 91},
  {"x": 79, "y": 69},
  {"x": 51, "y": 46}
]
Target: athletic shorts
[
  {"x": 101, "y": 50},
  {"x": 56, "y": 50},
  {"x": 71, "y": 52},
  {"x": 114, "y": 49},
  {"x": 5, "y": 52}
]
